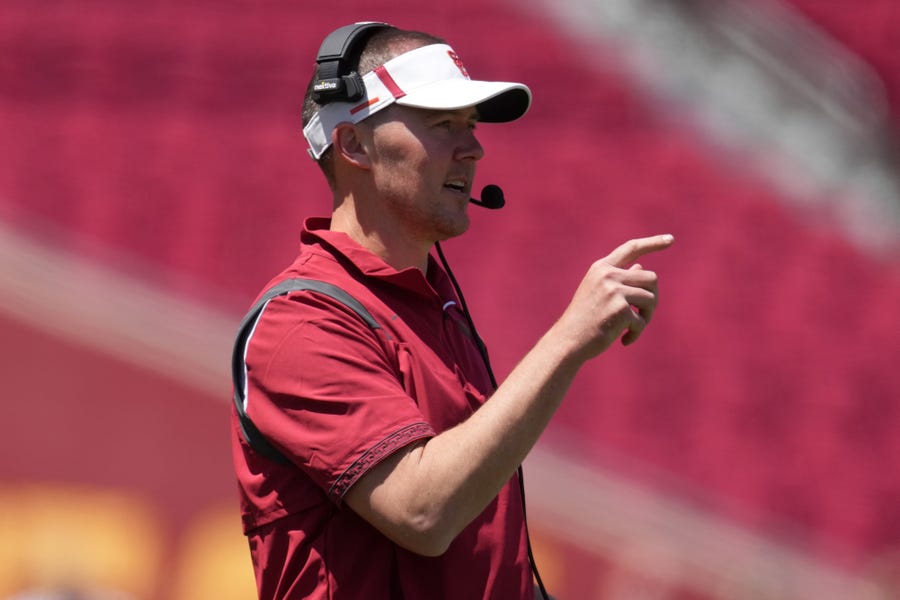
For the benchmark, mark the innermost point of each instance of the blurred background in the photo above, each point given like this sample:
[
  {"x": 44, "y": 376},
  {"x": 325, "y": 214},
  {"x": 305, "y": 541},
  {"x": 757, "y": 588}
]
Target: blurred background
[{"x": 153, "y": 177}]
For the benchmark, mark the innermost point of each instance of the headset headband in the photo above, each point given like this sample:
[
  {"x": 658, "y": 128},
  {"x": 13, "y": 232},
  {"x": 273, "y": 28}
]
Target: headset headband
[{"x": 335, "y": 81}]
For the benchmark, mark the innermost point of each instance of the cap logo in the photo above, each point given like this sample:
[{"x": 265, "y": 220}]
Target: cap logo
[{"x": 459, "y": 63}]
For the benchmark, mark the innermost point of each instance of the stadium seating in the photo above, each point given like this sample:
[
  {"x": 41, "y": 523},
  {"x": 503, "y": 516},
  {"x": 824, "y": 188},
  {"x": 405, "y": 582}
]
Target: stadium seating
[{"x": 165, "y": 140}]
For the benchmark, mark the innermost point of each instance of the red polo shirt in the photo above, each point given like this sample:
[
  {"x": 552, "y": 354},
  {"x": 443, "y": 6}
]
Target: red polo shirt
[{"x": 336, "y": 397}]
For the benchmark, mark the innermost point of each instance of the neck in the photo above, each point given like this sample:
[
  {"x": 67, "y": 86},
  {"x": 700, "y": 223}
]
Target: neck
[{"x": 384, "y": 239}]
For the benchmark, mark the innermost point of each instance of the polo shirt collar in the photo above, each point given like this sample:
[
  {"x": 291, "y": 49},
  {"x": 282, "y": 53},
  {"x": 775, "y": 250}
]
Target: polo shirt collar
[{"x": 316, "y": 231}]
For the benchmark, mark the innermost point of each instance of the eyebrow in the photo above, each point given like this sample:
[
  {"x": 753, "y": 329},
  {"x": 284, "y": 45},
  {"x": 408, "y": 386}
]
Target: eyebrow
[{"x": 438, "y": 113}]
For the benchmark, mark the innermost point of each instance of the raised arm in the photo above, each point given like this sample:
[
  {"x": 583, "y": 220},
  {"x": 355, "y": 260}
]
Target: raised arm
[{"x": 422, "y": 496}]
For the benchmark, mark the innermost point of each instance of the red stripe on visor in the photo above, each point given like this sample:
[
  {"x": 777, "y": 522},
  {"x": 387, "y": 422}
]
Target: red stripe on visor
[
  {"x": 389, "y": 82},
  {"x": 365, "y": 104}
]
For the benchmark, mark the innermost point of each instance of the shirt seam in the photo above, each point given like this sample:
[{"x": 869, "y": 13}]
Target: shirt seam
[{"x": 376, "y": 454}]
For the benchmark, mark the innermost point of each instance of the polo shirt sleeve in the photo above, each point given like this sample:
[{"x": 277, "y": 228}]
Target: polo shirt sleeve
[{"x": 326, "y": 390}]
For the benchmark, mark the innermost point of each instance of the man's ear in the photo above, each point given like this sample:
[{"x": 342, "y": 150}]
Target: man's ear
[{"x": 348, "y": 143}]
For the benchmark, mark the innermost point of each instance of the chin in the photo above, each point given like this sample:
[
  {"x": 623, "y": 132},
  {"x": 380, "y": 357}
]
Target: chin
[{"x": 451, "y": 229}]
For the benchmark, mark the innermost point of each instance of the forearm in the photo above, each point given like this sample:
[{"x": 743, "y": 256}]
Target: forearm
[
  {"x": 476, "y": 458},
  {"x": 424, "y": 495},
  {"x": 439, "y": 487}
]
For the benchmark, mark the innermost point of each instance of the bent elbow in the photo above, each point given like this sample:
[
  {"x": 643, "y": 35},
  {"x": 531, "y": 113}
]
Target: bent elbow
[
  {"x": 429, "y": 546},
  {"x": 427, "y": 537}
]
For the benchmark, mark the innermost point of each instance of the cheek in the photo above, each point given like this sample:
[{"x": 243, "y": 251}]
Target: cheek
[
  {"x": 391, "y": 154},
  {"x": 403, "y": 162},
  {"x": 395, "y": 144}
]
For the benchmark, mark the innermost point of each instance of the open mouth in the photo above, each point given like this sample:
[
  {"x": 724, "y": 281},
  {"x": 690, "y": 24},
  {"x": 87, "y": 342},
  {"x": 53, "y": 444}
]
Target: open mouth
[{"x": 456, "y": 186}]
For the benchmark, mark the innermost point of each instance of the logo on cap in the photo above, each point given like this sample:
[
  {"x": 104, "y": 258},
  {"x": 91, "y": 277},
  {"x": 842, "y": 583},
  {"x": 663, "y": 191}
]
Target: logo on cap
[{"x": 459, "y": 63}]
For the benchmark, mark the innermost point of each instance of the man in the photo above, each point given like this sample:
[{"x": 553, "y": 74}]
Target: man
[{"x": 400, "y": 471}]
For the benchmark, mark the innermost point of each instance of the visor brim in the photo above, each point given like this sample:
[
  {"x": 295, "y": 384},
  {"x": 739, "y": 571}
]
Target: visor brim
[{"x": 497, "y": 101}]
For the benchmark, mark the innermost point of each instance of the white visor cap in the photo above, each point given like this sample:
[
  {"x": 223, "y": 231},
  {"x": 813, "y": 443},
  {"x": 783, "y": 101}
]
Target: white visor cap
[{"x": 430, "y": 77}]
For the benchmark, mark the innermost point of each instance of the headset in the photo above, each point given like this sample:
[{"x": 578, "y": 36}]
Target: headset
[{"x": 336, "y": 81}]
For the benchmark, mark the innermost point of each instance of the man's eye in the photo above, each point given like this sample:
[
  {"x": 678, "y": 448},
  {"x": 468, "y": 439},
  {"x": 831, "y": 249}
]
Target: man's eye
[{"x": 450, "y": 124}]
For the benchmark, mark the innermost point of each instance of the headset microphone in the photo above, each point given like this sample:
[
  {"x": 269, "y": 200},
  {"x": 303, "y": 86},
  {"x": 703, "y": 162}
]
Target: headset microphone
[{"x": 491, "y": 197}]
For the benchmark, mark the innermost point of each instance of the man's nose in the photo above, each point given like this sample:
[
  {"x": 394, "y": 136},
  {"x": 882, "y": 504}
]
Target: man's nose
[{"x": 470, "y": 148}]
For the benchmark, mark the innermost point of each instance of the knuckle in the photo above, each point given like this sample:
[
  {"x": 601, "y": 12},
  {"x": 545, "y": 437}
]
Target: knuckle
[
  {"x": 600, "y": 267},
  {"x": 620, "y": 305}
]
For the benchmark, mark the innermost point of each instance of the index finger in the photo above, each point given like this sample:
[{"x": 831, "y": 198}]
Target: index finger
[{"x": 631, "y": 250}]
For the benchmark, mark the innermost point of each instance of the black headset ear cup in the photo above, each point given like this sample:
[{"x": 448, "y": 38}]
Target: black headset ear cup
[
  {"x": 355, "y": 89},
  {"x": 324, "y": 88}
]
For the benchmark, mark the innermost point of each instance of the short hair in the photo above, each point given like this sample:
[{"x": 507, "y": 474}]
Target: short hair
[{"x": 382, "y": 46}]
